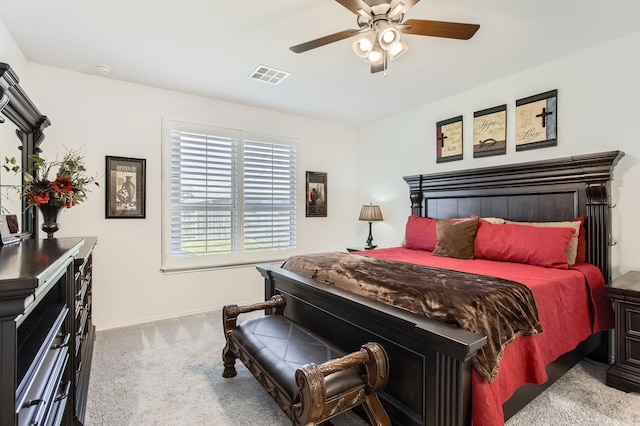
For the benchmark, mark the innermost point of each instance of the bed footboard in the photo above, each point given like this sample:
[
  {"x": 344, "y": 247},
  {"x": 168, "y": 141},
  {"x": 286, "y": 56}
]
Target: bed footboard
[{"x": 430, "y": 361}]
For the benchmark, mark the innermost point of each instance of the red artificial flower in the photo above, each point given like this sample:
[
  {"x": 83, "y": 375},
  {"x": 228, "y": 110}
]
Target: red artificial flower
[
  {"x": 62, "y": 184},
  {"x": 40, "y": 199},
  {"x": 70, "y": 203}
]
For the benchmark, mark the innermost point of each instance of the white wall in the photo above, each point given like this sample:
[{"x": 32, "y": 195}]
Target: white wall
[{"x": 598, "y": 110}]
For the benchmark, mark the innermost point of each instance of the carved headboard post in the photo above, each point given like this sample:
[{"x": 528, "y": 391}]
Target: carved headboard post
[
  {"x": 416, "y": 197},
  {"x": 598, "y": 225}
]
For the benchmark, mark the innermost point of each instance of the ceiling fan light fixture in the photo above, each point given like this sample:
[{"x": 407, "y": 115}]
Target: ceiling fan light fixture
[
  {"x": 380, "y": 23},
  {"x": 364, "y": 44}
]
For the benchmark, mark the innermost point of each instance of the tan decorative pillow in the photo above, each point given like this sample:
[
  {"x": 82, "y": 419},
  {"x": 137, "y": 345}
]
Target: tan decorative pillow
[
  {"x": 572, "y": 249},
  {"x": 455, "y": 239}
]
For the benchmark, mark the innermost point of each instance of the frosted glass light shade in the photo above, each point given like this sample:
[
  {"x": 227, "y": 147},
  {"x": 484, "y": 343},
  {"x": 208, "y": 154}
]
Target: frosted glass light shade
[
  {"x": 397, "y": 50},
  {"x": 388, "y": 36},
  {"x": 364, "y": 44}
]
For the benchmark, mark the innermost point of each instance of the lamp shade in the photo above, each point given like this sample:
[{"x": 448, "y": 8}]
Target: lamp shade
[
  {"x": 388, "y": 35},
  {"x": 364, "y": 44},
  {"x": 376, "y": 55},
  {"x": 370, "y": 213},
  {"x": 397, "y": 50}
]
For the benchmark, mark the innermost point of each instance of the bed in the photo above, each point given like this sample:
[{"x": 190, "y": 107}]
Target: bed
[{"x": 432, "y": 380}]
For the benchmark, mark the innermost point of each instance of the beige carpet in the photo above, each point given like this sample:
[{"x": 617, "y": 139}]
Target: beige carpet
[{"x": 170, "y": 373}]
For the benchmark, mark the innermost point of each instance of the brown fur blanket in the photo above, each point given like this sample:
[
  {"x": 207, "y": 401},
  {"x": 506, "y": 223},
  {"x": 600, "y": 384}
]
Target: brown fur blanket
[{"x": 499, "y": 309}]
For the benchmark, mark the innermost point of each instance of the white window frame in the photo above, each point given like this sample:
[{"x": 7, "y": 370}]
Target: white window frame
[{"x": 178, "y": 264}]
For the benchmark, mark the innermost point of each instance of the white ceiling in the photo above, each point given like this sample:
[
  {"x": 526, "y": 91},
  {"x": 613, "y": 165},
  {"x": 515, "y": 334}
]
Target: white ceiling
[{"x": 210, "y": 47}]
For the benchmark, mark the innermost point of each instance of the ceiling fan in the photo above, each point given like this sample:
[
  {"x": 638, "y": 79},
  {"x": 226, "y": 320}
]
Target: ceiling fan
[{"x": 380, "y": 23}]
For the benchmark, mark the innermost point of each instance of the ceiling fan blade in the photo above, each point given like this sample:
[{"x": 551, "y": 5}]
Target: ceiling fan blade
[
  {"x": 354, "y": 5},
  {"x": 440, "y": 29},
  {"x": 323, "y": 40},
  {"x": 377, "y": 67}
]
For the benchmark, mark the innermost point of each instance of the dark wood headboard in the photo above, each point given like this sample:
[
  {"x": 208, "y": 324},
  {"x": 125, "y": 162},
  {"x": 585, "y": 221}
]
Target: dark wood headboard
[{"x": 540, "y": 191}]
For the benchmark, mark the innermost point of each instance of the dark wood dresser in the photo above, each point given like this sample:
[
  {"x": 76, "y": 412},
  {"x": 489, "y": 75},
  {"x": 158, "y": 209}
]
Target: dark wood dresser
[
  {"x": 624, "y": 374},
  {"x": 46, "y": 333}
]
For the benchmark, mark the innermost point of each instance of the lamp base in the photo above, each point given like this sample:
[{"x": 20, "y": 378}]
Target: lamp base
[{"x": 370, "y": 246}]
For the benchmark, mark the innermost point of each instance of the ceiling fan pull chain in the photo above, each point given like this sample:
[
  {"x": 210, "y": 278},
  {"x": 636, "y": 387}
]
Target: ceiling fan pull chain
[{"x": 384, "y": 52}]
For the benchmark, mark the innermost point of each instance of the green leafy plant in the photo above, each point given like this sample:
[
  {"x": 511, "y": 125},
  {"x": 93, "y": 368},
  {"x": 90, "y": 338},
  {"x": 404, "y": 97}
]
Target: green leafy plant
[{"x": 60, "y": 183}]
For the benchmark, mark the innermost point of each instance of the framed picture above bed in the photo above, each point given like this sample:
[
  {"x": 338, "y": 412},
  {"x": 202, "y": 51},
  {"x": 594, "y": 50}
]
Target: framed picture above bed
[
  {"x": 490, "y": 132},
  {"x": 537, "y": 121},
  {"x": 449, "y": 140},
  {"x": 316, "y": 194}
]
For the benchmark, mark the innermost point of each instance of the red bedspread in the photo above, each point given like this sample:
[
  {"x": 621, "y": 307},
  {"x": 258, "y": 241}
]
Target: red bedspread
[{"x": 565, "y": 299}]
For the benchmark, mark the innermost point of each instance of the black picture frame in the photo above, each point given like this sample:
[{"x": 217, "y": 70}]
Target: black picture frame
[
  {"x": 125, "y": 188},
  {"x": 316, "y": 194},
  {"x": 490, "y": 132},
  {"x": 537, "y": 121},
  {"x": 449, "y": 140}
]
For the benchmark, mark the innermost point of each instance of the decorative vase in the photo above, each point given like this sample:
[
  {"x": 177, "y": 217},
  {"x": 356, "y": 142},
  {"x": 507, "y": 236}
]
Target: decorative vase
[
  {"x": 50, "y": 218},
  {"x": 131, "y": 189}
]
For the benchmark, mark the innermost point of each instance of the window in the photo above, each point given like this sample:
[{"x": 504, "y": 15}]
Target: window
[{"x": 230, "y": 196}]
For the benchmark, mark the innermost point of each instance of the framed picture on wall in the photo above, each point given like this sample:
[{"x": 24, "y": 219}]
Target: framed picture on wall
[
  {"x": 490, "y": 132},
  {"x": 316, "y": 194},
  {"x": 449, "y": 140},
  {"x": 125, "y": 189},
  {"x": 536, "y": 121},
  {"x": 9, "y": 229}
]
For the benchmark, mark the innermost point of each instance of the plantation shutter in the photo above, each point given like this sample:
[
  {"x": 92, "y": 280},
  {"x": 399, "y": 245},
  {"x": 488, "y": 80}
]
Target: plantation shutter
[
  {"x": 204, "y": 194},
  {"x": 269, "y": 196}
]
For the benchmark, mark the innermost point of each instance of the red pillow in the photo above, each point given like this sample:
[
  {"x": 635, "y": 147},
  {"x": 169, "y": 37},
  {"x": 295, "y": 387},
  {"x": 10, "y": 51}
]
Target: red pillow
[
  {"x": 581, "y": 256},
  {"x": 523, "y": 244},
  {"x": 420, "y": 233}
]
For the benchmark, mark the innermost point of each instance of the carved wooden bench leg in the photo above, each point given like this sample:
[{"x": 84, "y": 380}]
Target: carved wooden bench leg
[{"x": 229, "y": 321}]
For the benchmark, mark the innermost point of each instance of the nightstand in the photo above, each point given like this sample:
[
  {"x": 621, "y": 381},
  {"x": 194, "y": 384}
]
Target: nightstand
[
  {"x": 350, "y": 249},
  {"x": 624, "y": 374}
]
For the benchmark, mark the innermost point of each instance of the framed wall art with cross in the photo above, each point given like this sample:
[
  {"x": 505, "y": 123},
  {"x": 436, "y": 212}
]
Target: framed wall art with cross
[
  {"x": 537, "y": 121},
  {"x": 449, "y": 140}
]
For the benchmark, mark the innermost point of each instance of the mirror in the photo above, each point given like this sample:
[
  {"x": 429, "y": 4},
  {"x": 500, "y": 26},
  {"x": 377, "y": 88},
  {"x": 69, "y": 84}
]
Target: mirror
[
  {"x": 20, "y": 140},
  {"x": 10, "y": 200}
]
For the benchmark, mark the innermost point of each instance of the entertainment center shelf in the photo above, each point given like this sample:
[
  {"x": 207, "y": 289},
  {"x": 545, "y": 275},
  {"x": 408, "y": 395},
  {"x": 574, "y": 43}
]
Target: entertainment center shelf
[{"x": 46, "y": 333}]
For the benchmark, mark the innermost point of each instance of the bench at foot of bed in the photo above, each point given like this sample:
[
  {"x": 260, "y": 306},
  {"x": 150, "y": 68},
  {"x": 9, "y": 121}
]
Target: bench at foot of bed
[{"x": 309, "y": 378}]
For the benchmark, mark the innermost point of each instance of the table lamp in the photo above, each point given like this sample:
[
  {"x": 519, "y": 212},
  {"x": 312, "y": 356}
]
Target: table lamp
[{"x": 370, "y": 213}]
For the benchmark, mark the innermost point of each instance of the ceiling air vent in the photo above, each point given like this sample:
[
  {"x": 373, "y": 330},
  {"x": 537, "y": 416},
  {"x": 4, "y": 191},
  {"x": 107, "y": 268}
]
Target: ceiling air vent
[{"x": 268, "y": 75}]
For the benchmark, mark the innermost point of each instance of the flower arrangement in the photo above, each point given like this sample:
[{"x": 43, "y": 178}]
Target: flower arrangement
[{"x": 66, "y": 188}]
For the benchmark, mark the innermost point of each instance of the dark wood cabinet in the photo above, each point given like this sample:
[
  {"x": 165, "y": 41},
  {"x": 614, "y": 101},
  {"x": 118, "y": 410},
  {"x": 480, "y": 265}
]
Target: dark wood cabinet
[
  {"x": 84, "y": 330},
  {"x": 624, "y": 374},
  {"x": 43, "y": 352}
]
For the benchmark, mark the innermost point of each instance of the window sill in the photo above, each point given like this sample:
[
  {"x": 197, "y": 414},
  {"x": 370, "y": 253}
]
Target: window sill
[{"x": 190, "y": 269}]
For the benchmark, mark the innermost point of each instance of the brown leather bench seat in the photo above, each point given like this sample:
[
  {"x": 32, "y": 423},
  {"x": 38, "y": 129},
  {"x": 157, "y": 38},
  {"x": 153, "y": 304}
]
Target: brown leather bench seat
[{"x": 309, "y": 378}]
